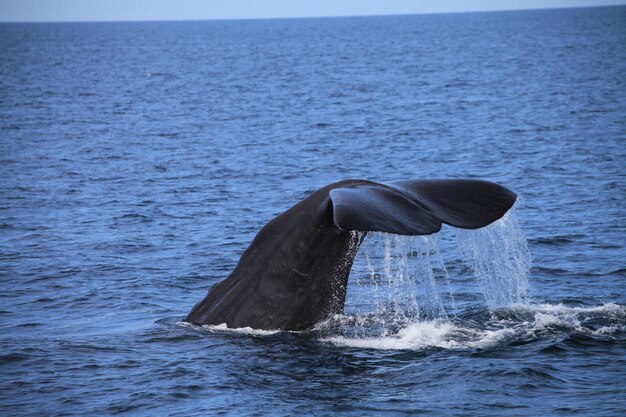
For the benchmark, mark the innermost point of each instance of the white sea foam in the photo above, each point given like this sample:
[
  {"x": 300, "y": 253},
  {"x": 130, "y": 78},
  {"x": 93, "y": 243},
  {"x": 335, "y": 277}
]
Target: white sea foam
[
  {"x": 428, "y": 334},
  {"x": 245, "y": 330},
  {"x": 576, "y": 318},
  {"x": 606, "y": 308},
  {"x": 224, "y": 328},
  {"x": 519, "y": 322},
  {"x": 610, "y": 330}
]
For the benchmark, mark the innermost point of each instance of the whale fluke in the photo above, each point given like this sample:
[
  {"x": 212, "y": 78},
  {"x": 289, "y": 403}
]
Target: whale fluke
[
  {"x": 295, "y": 271},
  {"x": 419, "y": 207}
]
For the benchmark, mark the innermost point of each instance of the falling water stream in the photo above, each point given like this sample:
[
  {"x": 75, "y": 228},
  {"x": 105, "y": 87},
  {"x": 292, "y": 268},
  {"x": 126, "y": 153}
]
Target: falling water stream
[
  {"x": 499, "y": 258},
  {"x": 457, "y": 289},
  {"x": 407, "y": 275},
  {"x": 401, "y": 293}
]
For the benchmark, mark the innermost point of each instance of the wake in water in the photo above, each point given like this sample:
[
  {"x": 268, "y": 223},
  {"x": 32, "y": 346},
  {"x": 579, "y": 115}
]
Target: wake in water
[
  {"x": 513, "y": 325},
  {"x": 401, "y": 295}
]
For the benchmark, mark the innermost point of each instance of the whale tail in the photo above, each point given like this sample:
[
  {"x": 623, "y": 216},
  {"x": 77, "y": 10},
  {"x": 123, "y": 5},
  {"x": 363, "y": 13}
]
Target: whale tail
[
  {"x": 419, "y": 207},
  {"x": 295, "y": 271}
]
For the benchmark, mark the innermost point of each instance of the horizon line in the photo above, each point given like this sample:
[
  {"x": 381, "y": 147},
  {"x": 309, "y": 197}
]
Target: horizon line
[{"x": 224, "y": 19}]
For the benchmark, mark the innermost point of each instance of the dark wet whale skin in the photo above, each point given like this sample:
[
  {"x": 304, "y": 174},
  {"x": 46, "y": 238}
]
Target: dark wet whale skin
[
  {"x": 295, "y": 272},
  {"x": 276, "y": 284}
]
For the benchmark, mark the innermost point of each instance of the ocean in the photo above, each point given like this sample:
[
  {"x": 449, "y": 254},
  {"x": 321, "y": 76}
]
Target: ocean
[{"x": 138, "y": 161}]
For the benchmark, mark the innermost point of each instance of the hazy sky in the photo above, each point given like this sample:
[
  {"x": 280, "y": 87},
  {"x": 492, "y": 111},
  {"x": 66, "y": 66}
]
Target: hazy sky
[{"x": 89, "y": 10}]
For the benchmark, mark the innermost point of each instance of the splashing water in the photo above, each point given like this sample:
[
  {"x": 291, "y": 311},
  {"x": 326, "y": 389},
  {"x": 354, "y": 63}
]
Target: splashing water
[
  {"x": 499, "y": 257},
  {"x": 398, "y": 282},
  {"x": 401, "y": 295},
  {"x": 518, "y": 323},
  {"x": 405, "y": 274}
]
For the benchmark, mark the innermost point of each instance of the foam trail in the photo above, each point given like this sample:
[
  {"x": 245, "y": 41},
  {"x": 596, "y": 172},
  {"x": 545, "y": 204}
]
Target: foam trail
[
  {"x": 429, "y": 334},
  {"x": 224, "y": 328},
  {"x": 518, "y": 323}
]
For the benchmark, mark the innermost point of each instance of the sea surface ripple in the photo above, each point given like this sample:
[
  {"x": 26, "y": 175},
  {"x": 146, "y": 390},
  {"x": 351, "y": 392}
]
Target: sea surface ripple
[{"x": 138, "y": 160}]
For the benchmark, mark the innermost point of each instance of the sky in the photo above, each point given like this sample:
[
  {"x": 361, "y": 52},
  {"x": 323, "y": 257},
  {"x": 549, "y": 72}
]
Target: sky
[{"x": 114, "y": 10}]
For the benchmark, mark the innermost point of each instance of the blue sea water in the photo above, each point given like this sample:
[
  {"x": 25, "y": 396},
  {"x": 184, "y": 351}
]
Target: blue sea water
[{"x": 138, "y": 160}]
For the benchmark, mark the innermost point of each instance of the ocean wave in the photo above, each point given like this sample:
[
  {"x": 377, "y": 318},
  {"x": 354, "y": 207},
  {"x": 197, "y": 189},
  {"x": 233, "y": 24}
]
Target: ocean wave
[
  {"x": 505, "y": 326},
  {"x": 430, "y": 334},
  {"x": 474, "y": 331}
]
